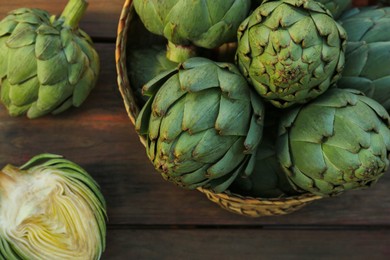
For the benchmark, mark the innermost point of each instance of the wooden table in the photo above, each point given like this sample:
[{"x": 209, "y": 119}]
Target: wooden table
[{"x": 152, "y": 219}]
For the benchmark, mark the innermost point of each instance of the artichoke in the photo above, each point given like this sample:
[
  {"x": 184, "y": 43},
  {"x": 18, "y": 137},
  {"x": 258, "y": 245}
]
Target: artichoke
[
  {"x": 50, "y": 208},
  {"x": 208, "y": 24},
  {"x": 291, "y": 51},
  {"x": 145, "y": 64},
  {"x": 202, "y": 124},
  {"x": 338, "y": 142},
  {"x": 336, "y": 7},
  {"x": 47, "y": 65},
  {"x": 256, "y": 3},
  {"x": 385, "y": 2},
  {"x": 367, "y": 60},
  {"x": 268, "y": 179}
]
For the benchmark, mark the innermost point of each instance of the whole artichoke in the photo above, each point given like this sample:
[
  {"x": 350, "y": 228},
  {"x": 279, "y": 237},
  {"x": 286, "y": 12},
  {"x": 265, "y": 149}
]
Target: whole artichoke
[
  {"x": 202, "y": 124},
  {"x": 209, "y": 24},
  {"x": 50, "y": 208},
  {"x": 291, "y": 51},
  {"x": 46, "y": 64},
  {"x": 367, "y": 60},
  {"x": 336, "y": 7},
  {"x": 338, "y": 142}
]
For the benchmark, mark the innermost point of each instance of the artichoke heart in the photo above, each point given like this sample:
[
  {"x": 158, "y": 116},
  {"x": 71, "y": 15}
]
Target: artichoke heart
[
  {"x": 47, "y": 65},
  {"x": 202, "y": 124},
  {"x": 338, "y": 142},
  {"x": 50, "y": 208},
  {"x": 291, "y": 51}
]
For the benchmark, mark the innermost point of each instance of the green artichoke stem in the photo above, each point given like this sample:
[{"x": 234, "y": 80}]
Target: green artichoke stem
[
  {"x": 180, "y": 53},
  {"x": 73, "y": 12}
]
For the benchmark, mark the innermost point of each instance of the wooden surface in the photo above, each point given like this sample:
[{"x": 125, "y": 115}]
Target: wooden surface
[{"x": 152, "y": 219}]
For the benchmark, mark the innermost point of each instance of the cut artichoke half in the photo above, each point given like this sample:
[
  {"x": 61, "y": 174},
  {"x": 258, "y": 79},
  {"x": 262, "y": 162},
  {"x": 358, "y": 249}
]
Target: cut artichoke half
[{"x": 50, "y": 208}]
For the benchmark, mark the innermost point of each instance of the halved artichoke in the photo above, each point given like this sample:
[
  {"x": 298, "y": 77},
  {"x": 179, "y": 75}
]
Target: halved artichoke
[{"x": 50, "y": 208}]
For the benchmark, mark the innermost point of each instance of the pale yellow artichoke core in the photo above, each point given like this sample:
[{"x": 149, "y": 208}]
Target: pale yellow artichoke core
[{"x": 47, "y": 215}]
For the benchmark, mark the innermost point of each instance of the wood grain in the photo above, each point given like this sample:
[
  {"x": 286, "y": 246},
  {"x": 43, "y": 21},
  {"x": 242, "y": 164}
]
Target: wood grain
[
  {"x": 100, "y": 20},
  {"x": 248, "y": 244},
  {"x": 150, "y": 218},
  {"x": 100, "y": 137}
]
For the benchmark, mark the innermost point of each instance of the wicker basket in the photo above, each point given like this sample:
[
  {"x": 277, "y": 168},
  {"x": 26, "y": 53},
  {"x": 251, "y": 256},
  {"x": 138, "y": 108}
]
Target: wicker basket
[{"x": 247, "y": 206}]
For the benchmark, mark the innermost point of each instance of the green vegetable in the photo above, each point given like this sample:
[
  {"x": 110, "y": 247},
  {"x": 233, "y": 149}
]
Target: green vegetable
[
  {"x": 202, "y": 124},
  {"x": 268, "y": 179},
  {"x": 145, "y": 64},
  {"x": 338, "y": 142},
  {"x": 46, "y": 64},
  {"x": 291, "y": 51},
  {"x": 50, "y": 208},
  {"x": 367, "y": 60},
  {"x": 336, "y": 7},
  {"x": 203, "y": 23}
]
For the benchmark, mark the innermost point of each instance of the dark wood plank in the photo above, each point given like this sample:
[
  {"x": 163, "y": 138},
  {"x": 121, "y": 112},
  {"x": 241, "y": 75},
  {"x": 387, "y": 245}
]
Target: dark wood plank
[
  {"x": 248, "y": 244},
  {"x": 100, "y": 137},
  {"x": 100, "y": 20}
]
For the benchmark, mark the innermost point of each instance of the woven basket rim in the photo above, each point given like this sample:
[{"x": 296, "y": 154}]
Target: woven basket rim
[
  {"x": 238, "y": 198},
  {"x": 132, "y": 111},
  {"x": 120, "y": 58}
]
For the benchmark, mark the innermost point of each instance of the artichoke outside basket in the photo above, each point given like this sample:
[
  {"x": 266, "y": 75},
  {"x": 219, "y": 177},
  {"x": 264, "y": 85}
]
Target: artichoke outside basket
[{"x": 130, "y": 23}]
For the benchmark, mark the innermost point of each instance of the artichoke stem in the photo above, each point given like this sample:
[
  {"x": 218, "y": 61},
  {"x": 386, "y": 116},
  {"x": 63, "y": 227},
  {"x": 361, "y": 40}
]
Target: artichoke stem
[
  {"x": 73, "y": 12},
  {"x": 180, "y": 53}
]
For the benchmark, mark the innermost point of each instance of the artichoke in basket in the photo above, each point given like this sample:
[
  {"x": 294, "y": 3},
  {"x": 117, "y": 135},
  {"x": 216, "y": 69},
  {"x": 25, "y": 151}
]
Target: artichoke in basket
[
  {"x": 202, "y": 124},
  {"x": 367, "y": 59},
  {"x": 336, "y": 7},
  {"x": 47, "y": 65},
  {"x": 338, "y": 142},
  {"x": 145, "y": 64},
  {"x": 189, "y": 23},
  {"x": 291, "y": 51},
  {"x": 268, "y": 179},
  {"x": 50, "y": 208}
]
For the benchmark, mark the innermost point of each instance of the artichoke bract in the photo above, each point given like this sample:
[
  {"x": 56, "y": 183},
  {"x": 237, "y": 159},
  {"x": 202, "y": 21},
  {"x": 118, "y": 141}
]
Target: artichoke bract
[
  {"x": 291, "y": 51},
  {"x": 47, "y": 65},
  {"x": 367, "y": 59},
  {"x": 202, "y": 124},
  {"x": 50, "y": 208},
  {"x": 338, "y": 142},
  {"x": 267, "y": 179},
  {"x": 145, "y": 64},
  {"x": 189, "y": 23},
  {"x": 336, "y": 7}
]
